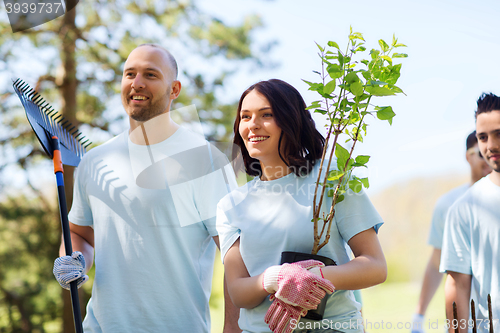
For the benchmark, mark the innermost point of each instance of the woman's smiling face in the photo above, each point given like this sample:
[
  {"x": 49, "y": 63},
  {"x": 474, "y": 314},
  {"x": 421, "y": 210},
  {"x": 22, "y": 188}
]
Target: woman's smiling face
[{"x": 258, "y": 128}]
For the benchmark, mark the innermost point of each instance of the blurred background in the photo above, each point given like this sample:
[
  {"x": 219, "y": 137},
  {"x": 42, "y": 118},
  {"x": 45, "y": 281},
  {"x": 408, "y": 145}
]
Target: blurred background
[{"x": 222, "y": 47}]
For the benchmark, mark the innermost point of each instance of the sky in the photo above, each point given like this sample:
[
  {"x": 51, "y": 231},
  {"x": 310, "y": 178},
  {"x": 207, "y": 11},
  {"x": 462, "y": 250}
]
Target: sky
[{"x": 453, "y": 49}]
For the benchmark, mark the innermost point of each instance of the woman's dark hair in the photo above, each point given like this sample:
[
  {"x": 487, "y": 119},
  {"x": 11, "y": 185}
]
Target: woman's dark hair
[{"x": 301, "y": 141}]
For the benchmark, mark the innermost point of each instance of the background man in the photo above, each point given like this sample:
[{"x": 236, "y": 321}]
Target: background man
[
  {"x": 471, "y": 245},
  {"x": 153, "y": 249},
  {"x": 432, "y": 278}
]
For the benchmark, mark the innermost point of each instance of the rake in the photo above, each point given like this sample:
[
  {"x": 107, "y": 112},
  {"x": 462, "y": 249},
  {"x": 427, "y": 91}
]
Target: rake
[{"x": 65, "y": 145}]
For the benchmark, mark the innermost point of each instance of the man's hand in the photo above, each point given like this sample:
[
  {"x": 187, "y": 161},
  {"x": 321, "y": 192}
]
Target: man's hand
[{"x": 70, "y": 268}]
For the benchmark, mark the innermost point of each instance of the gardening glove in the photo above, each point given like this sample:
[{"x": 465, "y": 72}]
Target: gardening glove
[
  {"x": 70, "y": 268},
  {"x": 417, "y": 323},
  {"x": 295, "y": 285},
  {"x": 283, "y": 317}
]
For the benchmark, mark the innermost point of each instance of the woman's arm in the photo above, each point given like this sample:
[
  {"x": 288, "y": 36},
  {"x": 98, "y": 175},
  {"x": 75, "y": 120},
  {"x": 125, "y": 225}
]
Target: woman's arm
[
  {"x": 245, "y": 291},
  {"x": 367, "y": 269}
]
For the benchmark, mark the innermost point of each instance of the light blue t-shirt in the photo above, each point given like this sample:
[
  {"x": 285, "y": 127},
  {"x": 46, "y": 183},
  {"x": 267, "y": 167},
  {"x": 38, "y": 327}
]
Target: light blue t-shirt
[
  {"x": 471, "y": 243},
  {"x": 439, "y": 215},
  {"x": 152, "y": 209},
  {"x": 274, "y": 216}
]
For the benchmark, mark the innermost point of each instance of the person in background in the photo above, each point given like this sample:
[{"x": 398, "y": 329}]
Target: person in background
[
  {"x": 471, "y": 243},
  {"x": 432, "y": 278}
]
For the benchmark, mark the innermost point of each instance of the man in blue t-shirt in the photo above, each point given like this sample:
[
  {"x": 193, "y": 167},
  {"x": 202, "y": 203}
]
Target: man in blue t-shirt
[
  {"x": 471, "y": 244},
  {"x": 432, "y": 277},
  {"x": 144, "y": 209}
]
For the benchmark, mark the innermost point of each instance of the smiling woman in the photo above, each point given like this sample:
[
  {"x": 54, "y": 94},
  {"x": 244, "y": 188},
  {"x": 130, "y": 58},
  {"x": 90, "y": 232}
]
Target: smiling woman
[
  {"x": 260, "y": 133},
  {"x": 277, "y": 132},
  {"x": 272, "y": 214}
]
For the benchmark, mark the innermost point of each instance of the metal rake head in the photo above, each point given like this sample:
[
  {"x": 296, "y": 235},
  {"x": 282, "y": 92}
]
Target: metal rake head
[{"x": 46, "y": 123}]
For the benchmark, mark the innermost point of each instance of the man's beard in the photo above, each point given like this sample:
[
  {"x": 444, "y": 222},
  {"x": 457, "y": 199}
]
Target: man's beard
[{"x": 155, "y": 109}]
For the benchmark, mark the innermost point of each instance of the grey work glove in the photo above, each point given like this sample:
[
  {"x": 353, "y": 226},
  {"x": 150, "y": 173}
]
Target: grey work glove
[{"x": 70, "y": 268}]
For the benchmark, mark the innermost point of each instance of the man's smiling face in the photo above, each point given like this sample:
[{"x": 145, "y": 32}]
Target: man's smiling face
[
  {"x": 488, "y": 137},
  {"x": 147, "y": 83}
]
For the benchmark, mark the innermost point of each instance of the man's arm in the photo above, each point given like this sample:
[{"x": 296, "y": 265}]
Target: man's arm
[
  {"x": 82, "y": 239},
  {"x": 432, "y": 279},
  {"x": 231, "y": 312},
  {"x": 457, "y": 289}
]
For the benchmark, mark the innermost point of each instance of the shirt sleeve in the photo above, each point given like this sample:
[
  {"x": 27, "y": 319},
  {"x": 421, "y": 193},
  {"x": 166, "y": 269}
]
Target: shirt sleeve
[
  {"x": 355, "y": 214},
  {"x": 228, "y": 233},
  {"x": 80, "y": 213},
  {"x": 437, "y": 226},
  {"x": 455, "y": 253}
]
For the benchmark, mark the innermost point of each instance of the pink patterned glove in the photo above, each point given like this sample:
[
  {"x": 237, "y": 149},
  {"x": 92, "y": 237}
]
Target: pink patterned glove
[
  {"x": 295, "y": 285},
  {"x": 283, "y": 317}
]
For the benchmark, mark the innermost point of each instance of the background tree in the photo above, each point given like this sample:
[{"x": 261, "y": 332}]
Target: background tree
[{"x": 75, "y": 63}]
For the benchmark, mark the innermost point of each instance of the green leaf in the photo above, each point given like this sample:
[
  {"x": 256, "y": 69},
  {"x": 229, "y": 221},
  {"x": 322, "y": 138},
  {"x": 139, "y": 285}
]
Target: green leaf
[
  {"x": 329, "y": 87},
  {"x": 393, "y": 74},
  {"x": 351, "y": 77},
  {"x": 340, "y": 198},
  {"x": 400, "y": 55},
  {"x": 387, "y": 58},
  {"x": 366, "y": 73},
  {"x": 333, "y": 44},
  {"x": 357, "y": 88},
  {"x": 319, "y": 47},
  {"x": 315, "y": 86},
  {"x": 315, "y": 104},
  {"x": 366, "y": 62},
  {"x": 385, "y": 113},
  {"x": 334, "y": 71},
  {"x": 365, "y": 182},
  {"x": 341, "y": 59},
  {"x": 360, "y": 48},
  {"x": 359, "y": 137},
  {"x": 355, "y": 185},
  {"x": 379, "y": 91},
  {"x": 356, "y": 35},
  {"x": 397, "y": 90},
  {"x": 353, "y": 118},
  {"x": 321, "y": 111},
  {"x": 334, "y": 175},
  {"x": 400, "y": 45},
  {"x": 362, "y": 159},
  {"x": 308, "y": 82},
  {"x": 383, "y": 45},
  {"x": 374, "y": 53},
  {"x": 342, "y": 156}
]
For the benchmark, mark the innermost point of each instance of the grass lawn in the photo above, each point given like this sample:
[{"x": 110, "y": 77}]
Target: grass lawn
[{"x": 394, "y": 304}]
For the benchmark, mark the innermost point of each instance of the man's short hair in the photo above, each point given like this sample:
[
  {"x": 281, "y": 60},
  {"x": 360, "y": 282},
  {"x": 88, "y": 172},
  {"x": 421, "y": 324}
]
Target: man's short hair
[
  {"x": 471, "y": 140},
  {"x": 170, "y": 57},
  {"x": 487, "y": 103}
]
